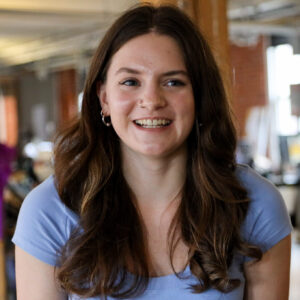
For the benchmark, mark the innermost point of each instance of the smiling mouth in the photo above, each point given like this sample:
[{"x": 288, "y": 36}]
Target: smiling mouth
[{"x": 155, "y": 123}]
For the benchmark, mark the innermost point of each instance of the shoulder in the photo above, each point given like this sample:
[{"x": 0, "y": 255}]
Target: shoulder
[
  {"x": 267, "y": 221},
  {"x": 260, "y": 190},
  {"x": 44, "y": 223},
  {"x": 44, "y": 201},
  {"x": 43, "y": 196}
]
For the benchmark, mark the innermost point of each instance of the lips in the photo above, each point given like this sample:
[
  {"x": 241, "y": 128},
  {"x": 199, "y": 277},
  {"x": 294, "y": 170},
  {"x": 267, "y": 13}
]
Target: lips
[{"x": 153, "y": 123}]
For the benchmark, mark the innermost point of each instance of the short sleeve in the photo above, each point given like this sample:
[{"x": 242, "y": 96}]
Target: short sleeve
[
  {"x": 43, "y": 225},
  {"x": 267, "y": 221}
]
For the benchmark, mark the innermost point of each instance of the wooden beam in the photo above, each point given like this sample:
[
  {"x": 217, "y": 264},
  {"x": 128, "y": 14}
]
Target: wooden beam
[
  {"x": 8, "y": 113},
  {"x": 211, "y": 18},
  {"x": 11, "y": 121},
  {"x": 67, "y": 96}
]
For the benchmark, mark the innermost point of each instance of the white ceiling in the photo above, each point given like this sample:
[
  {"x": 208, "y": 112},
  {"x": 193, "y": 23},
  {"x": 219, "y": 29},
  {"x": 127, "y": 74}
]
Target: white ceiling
[{"x": 44, "y": 34}]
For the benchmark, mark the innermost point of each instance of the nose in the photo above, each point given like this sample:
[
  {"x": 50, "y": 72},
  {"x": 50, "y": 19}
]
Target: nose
[{"x": 152, "y": 98}]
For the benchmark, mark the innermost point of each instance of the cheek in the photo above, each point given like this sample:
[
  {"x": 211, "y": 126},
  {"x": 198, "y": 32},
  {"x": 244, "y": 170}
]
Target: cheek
[
  {"x": 120, "y": 103},
  {"x": 187, "y": 109},
  {"x": 185, "y": 103},
  {"x": 188, "y": 114},
  {"x": 120, "y": 111}
]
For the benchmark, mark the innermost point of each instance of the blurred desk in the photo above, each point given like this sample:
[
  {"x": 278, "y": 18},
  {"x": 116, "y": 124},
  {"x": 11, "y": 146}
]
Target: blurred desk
[{"x": 290, "y": 194}]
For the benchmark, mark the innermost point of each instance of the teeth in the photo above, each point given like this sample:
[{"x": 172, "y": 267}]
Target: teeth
[{"x": 148, "y": 123}]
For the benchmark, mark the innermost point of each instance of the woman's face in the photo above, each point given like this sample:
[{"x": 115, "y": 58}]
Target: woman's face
[{"x": 149, "y": 96}]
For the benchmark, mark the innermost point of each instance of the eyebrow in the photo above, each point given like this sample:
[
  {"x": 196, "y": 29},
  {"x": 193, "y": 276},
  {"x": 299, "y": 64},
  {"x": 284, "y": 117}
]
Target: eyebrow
[
  {"x": 128, "y": 70},
  {"x": 169, "y": 73}
]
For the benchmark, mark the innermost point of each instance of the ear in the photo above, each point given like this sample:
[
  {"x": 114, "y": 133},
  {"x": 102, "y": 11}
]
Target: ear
[{"x": 102, "y": 96}]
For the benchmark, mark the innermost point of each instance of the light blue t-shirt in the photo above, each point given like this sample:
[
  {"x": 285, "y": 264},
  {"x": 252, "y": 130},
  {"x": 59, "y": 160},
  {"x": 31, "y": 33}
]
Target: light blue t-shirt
[{"x": 45, "y": 223}]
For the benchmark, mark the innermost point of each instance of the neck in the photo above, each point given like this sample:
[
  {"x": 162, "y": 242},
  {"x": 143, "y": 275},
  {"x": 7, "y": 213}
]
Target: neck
[{"x": 155, "y": 181}]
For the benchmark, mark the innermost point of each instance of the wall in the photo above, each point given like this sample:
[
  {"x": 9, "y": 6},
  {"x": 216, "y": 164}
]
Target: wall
[{"x": 37, "y": 105}]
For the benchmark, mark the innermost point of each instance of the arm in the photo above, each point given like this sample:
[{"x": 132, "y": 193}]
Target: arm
[
  {"x": 268, "y": 279},
  {"x": 35, "y": 279}
]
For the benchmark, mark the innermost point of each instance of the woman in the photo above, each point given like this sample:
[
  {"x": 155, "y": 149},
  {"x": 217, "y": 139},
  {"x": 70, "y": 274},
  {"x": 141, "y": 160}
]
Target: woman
[{"x": 146, "y": 200}]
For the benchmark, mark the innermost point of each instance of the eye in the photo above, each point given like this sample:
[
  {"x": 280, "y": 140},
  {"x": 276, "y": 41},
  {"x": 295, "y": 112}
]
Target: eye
[
  {"x": 129, "y": 82},
  {"x": 174, "y": 82}
]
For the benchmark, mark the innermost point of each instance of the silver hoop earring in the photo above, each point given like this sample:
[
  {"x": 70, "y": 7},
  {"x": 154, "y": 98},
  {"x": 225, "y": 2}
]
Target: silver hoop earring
[{"x": 106, "y": 123}]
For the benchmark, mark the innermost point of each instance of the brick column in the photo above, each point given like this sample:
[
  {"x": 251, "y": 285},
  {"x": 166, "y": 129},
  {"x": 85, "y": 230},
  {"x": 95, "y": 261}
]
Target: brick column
[{"x": 250, "y": 80}]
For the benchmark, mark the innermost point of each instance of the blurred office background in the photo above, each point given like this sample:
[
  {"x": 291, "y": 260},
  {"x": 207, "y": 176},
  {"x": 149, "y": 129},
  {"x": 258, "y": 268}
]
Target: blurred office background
[{"x": 45, "y": 50}]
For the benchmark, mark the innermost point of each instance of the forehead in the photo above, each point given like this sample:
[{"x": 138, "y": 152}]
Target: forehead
[{"x": 149, "y": 51}]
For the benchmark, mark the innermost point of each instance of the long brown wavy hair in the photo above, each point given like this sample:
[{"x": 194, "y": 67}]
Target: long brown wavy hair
[{"x": 110, "y": 235}]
